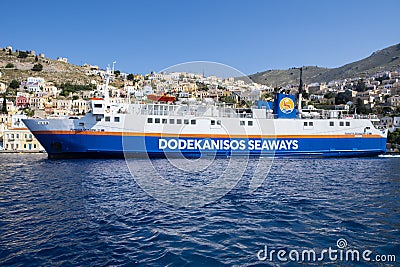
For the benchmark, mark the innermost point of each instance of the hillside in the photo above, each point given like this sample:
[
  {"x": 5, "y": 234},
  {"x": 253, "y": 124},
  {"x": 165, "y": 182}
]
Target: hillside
[
  {"x": 277, "y": 78},
  {"x": 387, "y": 59},
  {"x": 53, "y": 70}
]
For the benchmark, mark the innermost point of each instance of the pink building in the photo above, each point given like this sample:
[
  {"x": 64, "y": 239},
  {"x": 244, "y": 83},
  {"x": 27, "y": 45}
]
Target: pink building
[{"x": 22, "y": 102}]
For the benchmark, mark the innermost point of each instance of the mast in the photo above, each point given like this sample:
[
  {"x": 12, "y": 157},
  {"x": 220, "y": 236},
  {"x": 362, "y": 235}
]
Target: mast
[
  {"x": 109, "y": 72},
  {"x": 300, "y": 91}
]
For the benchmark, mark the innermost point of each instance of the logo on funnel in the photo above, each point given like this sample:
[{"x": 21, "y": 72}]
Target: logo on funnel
[{"x": 286, "y": 105}]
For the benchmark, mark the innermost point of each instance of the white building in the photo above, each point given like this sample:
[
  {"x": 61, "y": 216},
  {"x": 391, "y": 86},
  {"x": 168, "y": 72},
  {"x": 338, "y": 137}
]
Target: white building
[{"x": 80, "y": 106}]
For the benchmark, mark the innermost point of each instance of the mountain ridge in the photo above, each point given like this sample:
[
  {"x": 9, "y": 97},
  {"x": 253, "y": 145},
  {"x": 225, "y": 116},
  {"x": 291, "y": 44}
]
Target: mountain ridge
[{"x": 387, "y": 59}]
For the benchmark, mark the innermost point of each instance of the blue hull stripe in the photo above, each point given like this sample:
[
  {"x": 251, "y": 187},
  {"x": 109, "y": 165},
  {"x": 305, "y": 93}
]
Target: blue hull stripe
[{"x": 75, "y": 145}]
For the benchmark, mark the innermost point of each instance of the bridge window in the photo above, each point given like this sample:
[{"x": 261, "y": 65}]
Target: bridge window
[
  {"x": 171, "y": 121},
  {"x": 306, "y": 123},
  {"x": 193, "y": 122},
  {"x": 107, "y": 118},
  {"x": 218, "y": 122},
  {"x": 98, "y": 105},
  {"x": 242, "y": 123},
  {"x": 310, "y": 123},
  {"x": 178, "y": 121},
  {"x": 98, "y": 118},
  {"x": 149, "y": 120},
  {"x": 116, "y": 119},
  {"x": 341, "y": 123},
  {"x": 347, "y": 123},
  {"x": 250, "y": 123},
  {"x": 164, "y": 121},
  {"x": 185, "y": 121},
  {"x": 157, "y": 120},
  {"x": 331, "y": 123},
  {"x": 212, "y": 122}
]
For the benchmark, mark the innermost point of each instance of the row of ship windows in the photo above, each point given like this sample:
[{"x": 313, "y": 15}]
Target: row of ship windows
[
  {"x": 187, "y": 121},
  {"x": 331, "y": 123},
  {"x": 172, "y": 121},
  {"x": 108, "y": 118}
]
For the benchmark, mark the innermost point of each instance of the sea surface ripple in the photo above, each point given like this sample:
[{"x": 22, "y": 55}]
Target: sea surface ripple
[{"x": 93, "y": 213}]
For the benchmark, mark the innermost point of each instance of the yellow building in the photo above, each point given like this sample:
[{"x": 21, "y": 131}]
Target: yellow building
[{"x": 20, "y": 140}]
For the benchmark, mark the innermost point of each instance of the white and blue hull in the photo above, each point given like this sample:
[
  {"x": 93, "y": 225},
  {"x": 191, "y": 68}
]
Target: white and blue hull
[{"x": 133, "y": 135}]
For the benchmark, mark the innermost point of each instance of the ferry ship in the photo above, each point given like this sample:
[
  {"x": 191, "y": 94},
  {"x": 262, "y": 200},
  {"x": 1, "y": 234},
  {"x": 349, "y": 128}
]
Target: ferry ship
[{"x": 208, "y": 129}]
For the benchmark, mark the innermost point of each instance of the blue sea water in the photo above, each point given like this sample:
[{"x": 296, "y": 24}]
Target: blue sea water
[{"x": 93, "y": 213}]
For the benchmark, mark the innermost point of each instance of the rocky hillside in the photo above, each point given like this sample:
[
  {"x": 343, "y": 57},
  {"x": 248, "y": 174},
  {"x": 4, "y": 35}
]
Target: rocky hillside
[
  {"x": 382, "y": 60},
  {"x": 55, "y": 71}
]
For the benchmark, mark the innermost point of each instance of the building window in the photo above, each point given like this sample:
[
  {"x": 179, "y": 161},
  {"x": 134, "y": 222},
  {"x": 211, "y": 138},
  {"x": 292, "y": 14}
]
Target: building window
[
  {"x": 25, "y": 146},
  {"x": 186, "y": 121},
  {"x": 116, "y": 119},
  {"x": 193, "y": 122},
  {"x": 157, "y": 120},
  {"x": 107, "y": 118},
  {"x": 34, "y": 145},
  {"x": 331, "y": 123},
  {"x": 242, "y": 123},
  {"x": 341, "y": 123},
  {"x": 98, "y": 105},
  {"x": 178, "y": 121},
  {"x": 347, "y": 123},
  {"x": 149, "y": 120},
  {"x": 81, "y": 124},
  {"x": 171, "y": 121},
  {"x": 250, "y": 123}
]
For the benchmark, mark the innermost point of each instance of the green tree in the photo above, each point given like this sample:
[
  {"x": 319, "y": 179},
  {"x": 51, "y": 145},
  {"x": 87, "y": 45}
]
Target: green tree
[
  {"x": 9, "y": 66},
  {"x": 29, "y": 112},
  {"x": 329, "y": 95},
  {"x": 36, "y": 59},
  {"x": 360, "y": 87},
  {"x": 14, "y": 84},
  {"x": 22, "y": 54},
  {"x": 343, "y": 97},
  {"x": 4, "y": 108},
  {"x": 37, "y": 67},
  {"x": 361, "y": 108},
  {"x": 130, "y": 77},
  {"x": 117, "y": 73},
  {"x": 394, "y": 137}
]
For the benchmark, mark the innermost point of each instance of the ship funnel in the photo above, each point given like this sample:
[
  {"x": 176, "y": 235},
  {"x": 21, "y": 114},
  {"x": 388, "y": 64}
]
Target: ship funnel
[{"x": 300, "y": 92}]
